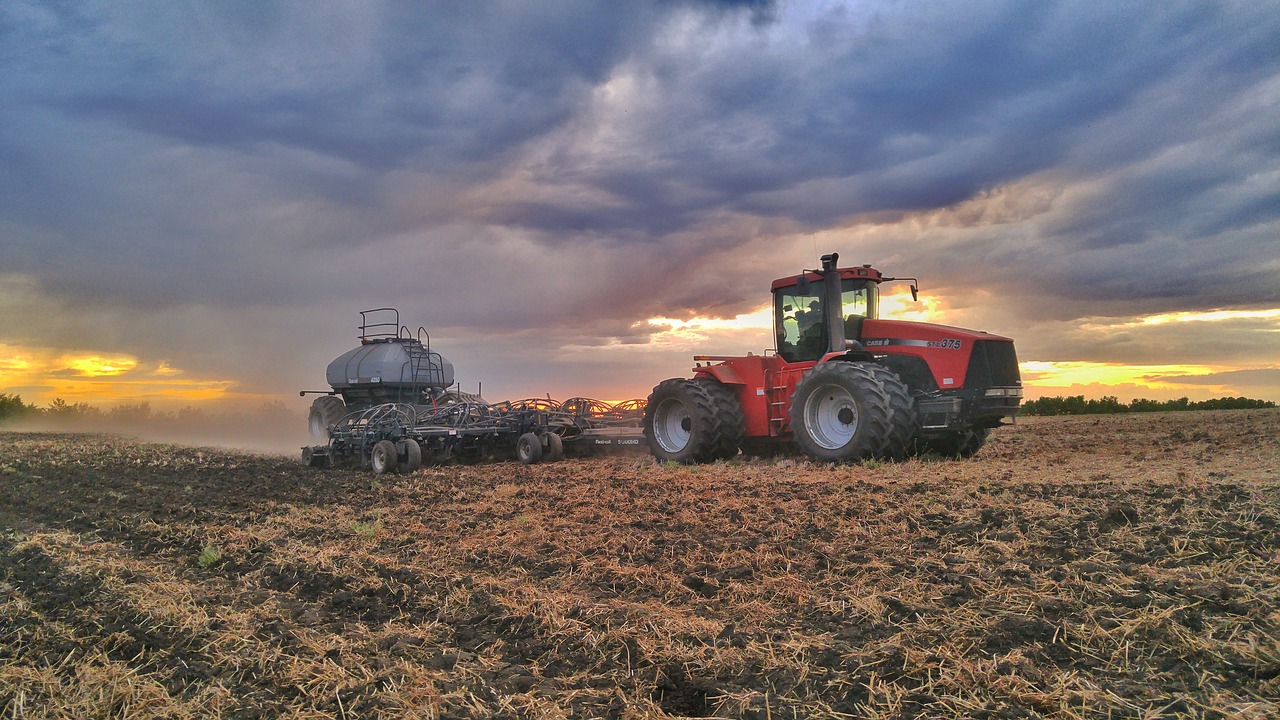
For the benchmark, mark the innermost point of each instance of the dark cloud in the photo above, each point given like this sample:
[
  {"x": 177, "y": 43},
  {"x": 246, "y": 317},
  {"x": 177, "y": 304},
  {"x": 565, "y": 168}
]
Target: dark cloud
[{"x": 559, "y": 172}]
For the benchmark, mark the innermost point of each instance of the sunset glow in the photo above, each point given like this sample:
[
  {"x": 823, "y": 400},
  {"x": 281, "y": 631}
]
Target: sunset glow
[
  {"x": 96, "y": 365},
  {"x": 1211, "y": 316},
  {"x": 39, "y": 376},
  {"x": 1065, "y": 374},
  {"x": 900, "y": 306}
]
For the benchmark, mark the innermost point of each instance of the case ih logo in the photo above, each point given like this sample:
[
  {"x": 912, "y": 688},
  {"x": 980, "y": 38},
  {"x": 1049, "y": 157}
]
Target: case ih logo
[{"x": 944, "y": 344}]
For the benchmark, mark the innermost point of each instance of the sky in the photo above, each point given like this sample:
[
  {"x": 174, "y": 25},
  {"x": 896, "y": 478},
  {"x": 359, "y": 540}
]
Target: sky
[{"x": 573, "y": 198}]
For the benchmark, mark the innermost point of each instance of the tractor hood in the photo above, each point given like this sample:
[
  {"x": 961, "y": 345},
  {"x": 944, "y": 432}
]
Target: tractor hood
[
  {"x": 955, "y": 357},
  {"x": 876, "y": 329}
]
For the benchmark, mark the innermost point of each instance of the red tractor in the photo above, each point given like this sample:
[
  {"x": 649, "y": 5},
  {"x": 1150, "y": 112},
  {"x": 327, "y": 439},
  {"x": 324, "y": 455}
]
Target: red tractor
[{"x": 844, "y": 384}]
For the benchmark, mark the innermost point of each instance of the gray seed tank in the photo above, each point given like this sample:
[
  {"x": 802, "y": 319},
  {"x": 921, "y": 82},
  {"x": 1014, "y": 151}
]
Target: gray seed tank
[{"x": 391, "y": 365}]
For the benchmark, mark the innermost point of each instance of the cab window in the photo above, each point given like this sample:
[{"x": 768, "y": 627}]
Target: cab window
[{"x": 802, "y": 334}]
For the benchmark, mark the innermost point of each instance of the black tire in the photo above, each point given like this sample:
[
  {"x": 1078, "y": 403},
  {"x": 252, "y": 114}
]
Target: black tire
[
  {"x": 555, "y": 448},
  {"x": 692, "y": 421},
  {"x": 316, "y": 457},
  {"x": 529, "y": 448},
  {"x": 325, "y": 411},
  {"x": 902, "y": 408},
  {"x": 412, "y": 456},
  {"x": 696, "y": 420},
  {"x": 960, "y": 444},
  {"x": 840, "y": 412},
  {"x": 729, "y": 416},
  {"x": 382, "y": 458}
]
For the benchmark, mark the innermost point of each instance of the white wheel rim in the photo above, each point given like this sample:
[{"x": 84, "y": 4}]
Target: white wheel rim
[
  {"x": 831, "y": 417},
  {"x": 672, "y": 425}
]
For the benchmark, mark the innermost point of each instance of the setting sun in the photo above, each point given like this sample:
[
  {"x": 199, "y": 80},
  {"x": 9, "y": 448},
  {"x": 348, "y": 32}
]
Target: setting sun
[{"x": 96, "y": 365}]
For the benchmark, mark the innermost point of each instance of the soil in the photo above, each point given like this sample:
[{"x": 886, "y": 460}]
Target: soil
[{"x": 1112, "y": 566}]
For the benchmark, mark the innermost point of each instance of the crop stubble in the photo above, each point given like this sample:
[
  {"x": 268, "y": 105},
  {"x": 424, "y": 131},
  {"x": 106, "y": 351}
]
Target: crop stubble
[{"x": 1113, "y": 566}]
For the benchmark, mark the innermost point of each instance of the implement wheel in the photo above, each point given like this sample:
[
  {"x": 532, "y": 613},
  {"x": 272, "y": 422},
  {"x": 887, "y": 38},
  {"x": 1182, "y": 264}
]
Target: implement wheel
[
  {"x": 529, "y": 448},
  {"x": 318, "y": 457},
  {"x": 383, "y": 457},
  {"x": 555, "y": 447},
  {"x": 693, "y": 421},
  {"x": 840, "y": 412},
  {"x": 412, "y": 456}
]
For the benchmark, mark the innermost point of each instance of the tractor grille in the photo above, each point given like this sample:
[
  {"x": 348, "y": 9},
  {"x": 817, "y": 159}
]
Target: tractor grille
[{"x": 992, "y": 364}]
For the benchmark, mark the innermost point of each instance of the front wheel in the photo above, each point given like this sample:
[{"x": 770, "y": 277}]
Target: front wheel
[
  {"x": 841, "y": 412},
  {"x": 902, "y": 411},
  {"x": 693, "y": 421}
]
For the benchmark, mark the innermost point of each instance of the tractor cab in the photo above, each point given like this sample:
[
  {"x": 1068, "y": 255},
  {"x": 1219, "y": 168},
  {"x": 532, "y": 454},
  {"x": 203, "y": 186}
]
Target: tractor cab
[{"x": 812, "y": 317}]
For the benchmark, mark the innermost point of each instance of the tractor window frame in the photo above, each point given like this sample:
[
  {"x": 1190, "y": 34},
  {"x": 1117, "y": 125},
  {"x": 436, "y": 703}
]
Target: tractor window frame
[
  {"x": 799, "y": 324},
  {"x": 800, "y": 327}
]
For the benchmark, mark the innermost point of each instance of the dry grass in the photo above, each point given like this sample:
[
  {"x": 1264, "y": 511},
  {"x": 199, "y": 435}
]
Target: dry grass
[{"x": 1121, "y": 567}]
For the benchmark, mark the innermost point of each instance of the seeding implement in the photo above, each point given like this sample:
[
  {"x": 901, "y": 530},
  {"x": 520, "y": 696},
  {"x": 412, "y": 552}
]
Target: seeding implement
[
  {"x": 394, "y": 406},
  {"x": 842, "y": 384}
]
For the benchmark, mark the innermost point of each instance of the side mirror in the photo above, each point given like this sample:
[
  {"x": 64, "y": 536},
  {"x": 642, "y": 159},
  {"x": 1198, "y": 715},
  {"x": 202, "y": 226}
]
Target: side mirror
[
  {"x": 915, "y": 293},
  {"x": 804, "y": 285}
]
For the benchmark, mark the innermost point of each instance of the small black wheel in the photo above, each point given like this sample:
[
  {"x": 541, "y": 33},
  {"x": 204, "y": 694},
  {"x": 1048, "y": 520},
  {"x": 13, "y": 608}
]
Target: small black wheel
[
  {"x": 325, "y": 411},
  {"x": 555, "y": 447},
  {"x": 529, "y": 448},
  {"x": 383, "y": 457},
  {"x": 313, "y": 456},
  {"x": 412, "y": 456}
]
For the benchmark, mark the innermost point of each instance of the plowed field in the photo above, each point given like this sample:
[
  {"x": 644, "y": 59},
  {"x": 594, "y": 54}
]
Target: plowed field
[{"x": 1115, "y": 566}]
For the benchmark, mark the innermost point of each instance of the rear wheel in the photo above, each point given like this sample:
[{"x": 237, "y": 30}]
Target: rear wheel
[
  {"x": 841, "y": 412},
  {"x": 692, "y": 421},
  {"x": 383, "y": 457},
  {"x": 325, "y": 411}
]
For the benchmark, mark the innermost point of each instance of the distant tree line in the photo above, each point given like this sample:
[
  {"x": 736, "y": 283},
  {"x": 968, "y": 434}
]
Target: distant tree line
[
  {"x": 1078, "y": 405},
  {"x": 271, "y": 419}
]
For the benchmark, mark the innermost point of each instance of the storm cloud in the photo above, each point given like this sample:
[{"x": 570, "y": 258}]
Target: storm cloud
[{"x": 222, "y": 186}]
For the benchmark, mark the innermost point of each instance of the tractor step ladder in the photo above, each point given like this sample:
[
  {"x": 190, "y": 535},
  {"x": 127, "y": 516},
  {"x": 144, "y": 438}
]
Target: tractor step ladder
[{"x": 777, "y": 396}]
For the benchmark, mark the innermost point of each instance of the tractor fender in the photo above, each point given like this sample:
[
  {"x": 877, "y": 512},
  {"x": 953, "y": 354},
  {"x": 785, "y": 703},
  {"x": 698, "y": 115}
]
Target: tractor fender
[
  {"x": 725, "y": 374},
  {"x": 846, "y": 356}
]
